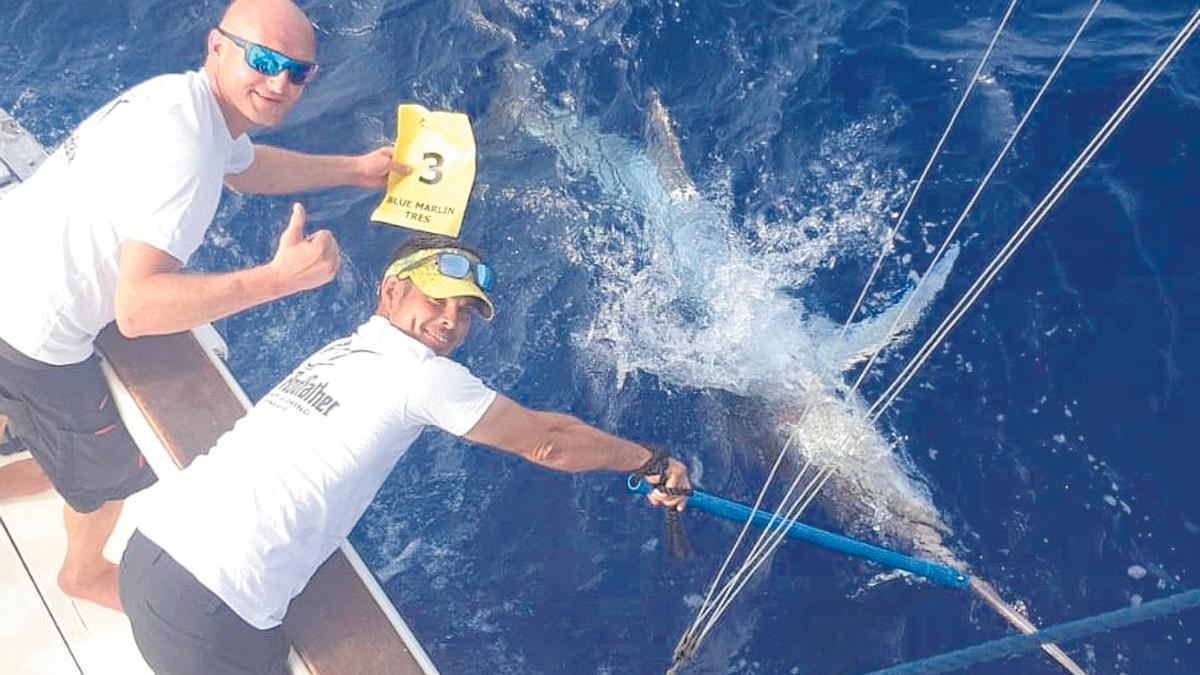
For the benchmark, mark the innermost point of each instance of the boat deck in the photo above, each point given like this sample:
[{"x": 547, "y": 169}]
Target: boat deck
[{"x": 43, "y": 629}]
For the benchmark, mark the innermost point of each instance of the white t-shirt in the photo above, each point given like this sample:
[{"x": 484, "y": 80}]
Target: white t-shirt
[
  {"x": 148, "y": 166},
  {"x": 254, "y": 518}
]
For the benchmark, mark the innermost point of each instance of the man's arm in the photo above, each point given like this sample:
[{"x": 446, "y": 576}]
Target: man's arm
[
  {"x": 565, "y": 443},
  {"x": 276, "y": 171},
  {"x": 154, "y": 298}
]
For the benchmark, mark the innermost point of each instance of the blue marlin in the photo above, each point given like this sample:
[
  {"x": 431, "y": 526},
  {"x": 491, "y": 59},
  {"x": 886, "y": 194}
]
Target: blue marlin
[{"x": 685, "y": 298}]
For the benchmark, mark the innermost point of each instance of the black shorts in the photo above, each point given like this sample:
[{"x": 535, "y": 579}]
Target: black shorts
[
  {"x": 65, "y": 417},
  {"x": 182, "y": 628}
]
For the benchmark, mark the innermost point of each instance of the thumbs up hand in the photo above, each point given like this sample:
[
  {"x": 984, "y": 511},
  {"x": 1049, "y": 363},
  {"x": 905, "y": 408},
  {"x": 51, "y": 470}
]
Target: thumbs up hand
[{"x": 305, "y": 262}]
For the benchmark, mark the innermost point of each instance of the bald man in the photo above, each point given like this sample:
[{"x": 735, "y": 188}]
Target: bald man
[{"x": 102, "y": 231}]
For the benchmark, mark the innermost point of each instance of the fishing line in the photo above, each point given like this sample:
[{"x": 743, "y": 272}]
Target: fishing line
[
  {"x": 987, "y": 179},
  {"x": 883, "y": 253},
  {"x": 973, "y": 200},
  {"x": 905, "y": 307},
  {"x": 1035, "y": 217},
  {"x": 690, "y": 641},
  {"x": 890, "y": 239}
]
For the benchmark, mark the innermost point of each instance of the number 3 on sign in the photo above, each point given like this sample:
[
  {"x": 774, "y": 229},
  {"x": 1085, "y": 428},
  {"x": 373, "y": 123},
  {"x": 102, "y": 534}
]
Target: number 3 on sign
[
  {"x": 440, "y": 148},
  {"x": 433, "y": 168}
]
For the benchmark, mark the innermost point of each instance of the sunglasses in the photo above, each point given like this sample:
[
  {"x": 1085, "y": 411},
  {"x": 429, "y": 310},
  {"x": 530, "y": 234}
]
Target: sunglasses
[
  {"x": 270, "y": 62},
  {"x": 450, "y": 264}
]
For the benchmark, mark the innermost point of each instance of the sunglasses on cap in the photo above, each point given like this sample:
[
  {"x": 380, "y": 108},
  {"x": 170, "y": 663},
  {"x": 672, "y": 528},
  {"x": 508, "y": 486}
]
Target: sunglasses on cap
[
  {"x": 270, "y": 62},
  {"x": 450, "y": 264}
]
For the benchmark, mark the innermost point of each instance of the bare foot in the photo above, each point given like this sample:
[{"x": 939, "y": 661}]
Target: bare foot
[
  {"x": 22, "y": 478},
  {"x": 100, "y": 588}
]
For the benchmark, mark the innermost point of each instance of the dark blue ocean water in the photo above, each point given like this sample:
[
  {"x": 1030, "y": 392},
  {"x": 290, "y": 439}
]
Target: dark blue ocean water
[{"x": 1055, "y": 432}]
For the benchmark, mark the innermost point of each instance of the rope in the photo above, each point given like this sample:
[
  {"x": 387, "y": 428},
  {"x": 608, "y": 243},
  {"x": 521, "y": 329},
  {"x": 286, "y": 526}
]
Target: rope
[
  {"x": 912, "y": 197},
  {"x": 1039, "y": 212},
  {"x": 987, "y": 178},
  {"x": 1035, "y": 217},
  {"x": 688, "y": 638},
  {"x": 772, "y": 538},
  {"x": 769, "y": 540},
  {"x": 1064, "y": 632},
  {"x": 827, "y": 471}
]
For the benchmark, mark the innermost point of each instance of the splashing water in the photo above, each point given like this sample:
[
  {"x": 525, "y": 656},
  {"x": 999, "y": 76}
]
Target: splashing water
[{"x": 687, "y": 297}]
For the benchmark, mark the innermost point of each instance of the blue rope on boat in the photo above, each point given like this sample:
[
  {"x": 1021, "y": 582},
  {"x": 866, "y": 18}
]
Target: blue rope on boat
[
  {"x": 1063, "y": 632},
  {"x": 731, "y": 510}
]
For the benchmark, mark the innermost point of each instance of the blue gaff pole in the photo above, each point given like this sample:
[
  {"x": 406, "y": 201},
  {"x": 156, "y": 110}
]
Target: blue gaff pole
[{"x": 740, "y": 513}]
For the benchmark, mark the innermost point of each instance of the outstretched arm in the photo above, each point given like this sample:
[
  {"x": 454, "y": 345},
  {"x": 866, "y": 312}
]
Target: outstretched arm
[
  {"x": 276, "y": 171},
  {"x": 154, "y": 298},
  {"x": 565, "y": 443}
]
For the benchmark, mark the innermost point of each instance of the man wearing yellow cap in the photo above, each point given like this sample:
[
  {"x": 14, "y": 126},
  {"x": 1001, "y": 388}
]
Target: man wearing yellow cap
[{"x": 203, "y": 577}]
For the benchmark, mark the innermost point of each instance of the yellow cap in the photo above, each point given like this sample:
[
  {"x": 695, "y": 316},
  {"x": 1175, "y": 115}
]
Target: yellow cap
[{"x": 427, "y": 277}]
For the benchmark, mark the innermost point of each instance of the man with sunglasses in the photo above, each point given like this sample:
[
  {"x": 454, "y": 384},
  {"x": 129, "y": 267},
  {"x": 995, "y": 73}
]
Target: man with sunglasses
[
  {"x": 102, "y": 231},
  {"x": 297, "y": 472}
]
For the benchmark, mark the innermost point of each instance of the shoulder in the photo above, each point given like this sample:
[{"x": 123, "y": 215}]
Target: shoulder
[
  {"x": 171, "y": 83},
  {"x": 438, "y": 377},
  {"x": 445, "y": 394},
  {"x": 440, "y": 365},
  {"x": 414, "y": 365},
  {"x": 166, "y": 107},
  {"x": 164, "y": 93}
]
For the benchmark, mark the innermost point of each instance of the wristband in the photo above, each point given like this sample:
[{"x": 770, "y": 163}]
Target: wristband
[{"x": 656, "y": 465}]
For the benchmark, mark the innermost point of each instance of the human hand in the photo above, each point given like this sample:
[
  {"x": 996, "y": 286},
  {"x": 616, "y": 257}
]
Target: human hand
[
  {"x": 676, "y": 482},
  {"x": 304, "y": 262},
  {"x": 370, "y": 170}
]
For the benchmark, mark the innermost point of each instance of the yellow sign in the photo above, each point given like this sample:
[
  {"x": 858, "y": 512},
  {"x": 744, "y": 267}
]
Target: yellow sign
[{"x": 440, "y": 149}]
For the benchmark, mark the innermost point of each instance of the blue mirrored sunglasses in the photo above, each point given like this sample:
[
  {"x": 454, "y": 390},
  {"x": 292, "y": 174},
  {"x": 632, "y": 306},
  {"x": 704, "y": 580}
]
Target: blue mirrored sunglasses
[
  {"x": 456, "y": 266},
  {"x": 270, "y": 62}
]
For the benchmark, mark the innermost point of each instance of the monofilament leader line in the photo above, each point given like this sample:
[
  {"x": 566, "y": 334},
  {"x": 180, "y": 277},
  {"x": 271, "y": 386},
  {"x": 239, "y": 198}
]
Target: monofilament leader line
[
  {"x": 690, "y": 641},
  {"x": 691, "y": 638}
]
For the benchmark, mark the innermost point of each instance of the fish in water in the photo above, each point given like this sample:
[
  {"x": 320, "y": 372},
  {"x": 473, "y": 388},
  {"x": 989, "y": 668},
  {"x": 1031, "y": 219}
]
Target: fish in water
[
  {"x": 698, "y": 307},
  {"x": 684, "y": 297}
]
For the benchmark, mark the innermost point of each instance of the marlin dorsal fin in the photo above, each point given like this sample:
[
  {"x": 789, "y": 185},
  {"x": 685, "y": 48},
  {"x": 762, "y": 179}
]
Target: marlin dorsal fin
[{"x": 663, "y": 150}]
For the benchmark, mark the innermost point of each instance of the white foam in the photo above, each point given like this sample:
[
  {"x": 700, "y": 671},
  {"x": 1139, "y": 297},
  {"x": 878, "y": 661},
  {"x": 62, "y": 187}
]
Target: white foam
[{"x": 685, "y": 294}]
